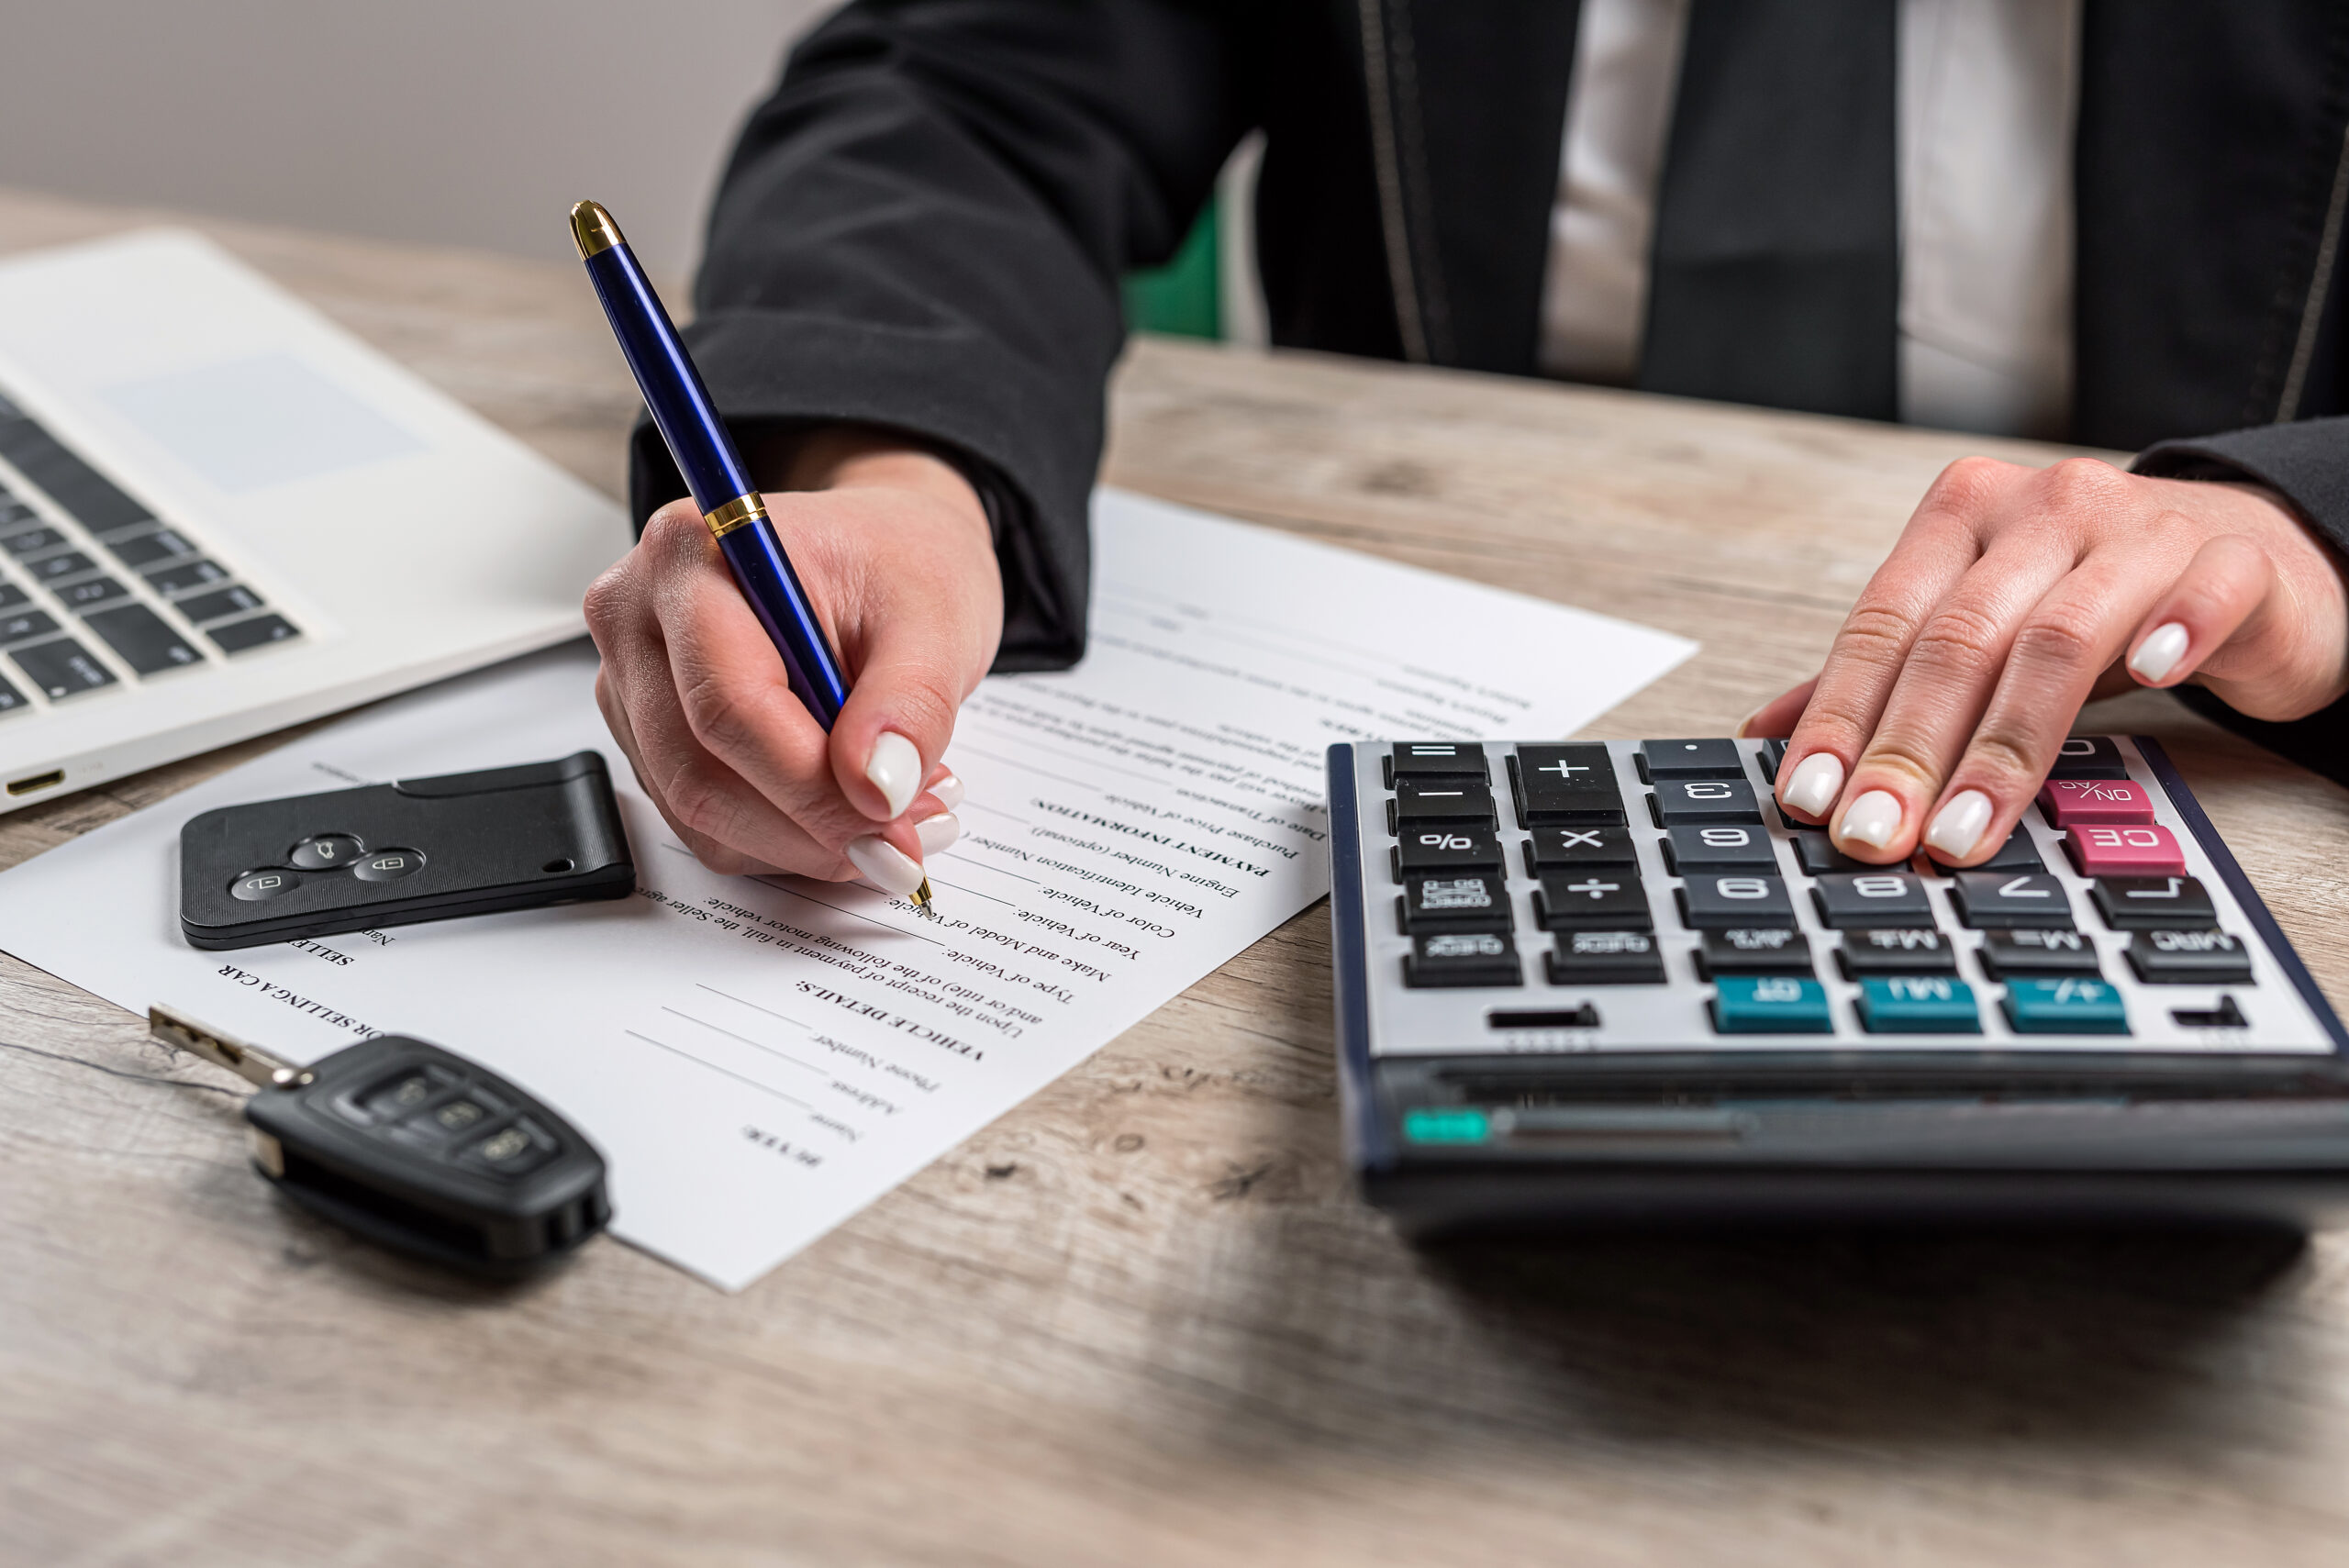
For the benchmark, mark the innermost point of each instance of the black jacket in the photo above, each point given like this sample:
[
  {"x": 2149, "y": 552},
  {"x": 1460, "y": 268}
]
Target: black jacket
[{"x": 925, "y": 226}]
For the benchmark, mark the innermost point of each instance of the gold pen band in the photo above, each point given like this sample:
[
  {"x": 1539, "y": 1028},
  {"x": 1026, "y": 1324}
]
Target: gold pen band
[
  {"x": 734, "y": 514},
  {"x": 593, "y": 227}
]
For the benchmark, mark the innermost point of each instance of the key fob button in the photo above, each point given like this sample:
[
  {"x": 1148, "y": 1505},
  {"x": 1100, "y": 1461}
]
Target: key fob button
[
  {"x": 406, "y": 1092},
  {"x": 387, "y": 865},
  {"x": 513, "y": 1150},
  {"x": 260, "y": 886},
  {"x": 325, "y": 851}
]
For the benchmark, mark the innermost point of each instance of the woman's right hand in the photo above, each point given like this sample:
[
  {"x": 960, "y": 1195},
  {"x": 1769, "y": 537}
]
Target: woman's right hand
[{"x": 893, "y": 548}]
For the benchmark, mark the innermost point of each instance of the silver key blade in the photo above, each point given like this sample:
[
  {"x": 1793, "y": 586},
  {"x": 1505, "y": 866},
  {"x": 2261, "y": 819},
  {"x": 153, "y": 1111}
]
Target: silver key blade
[{"x": 222, "y": 1048}]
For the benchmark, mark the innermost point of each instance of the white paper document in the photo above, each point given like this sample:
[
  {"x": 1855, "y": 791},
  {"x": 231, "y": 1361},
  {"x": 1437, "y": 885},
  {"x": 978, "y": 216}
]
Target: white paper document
[{"x": 759, "y": 1058}]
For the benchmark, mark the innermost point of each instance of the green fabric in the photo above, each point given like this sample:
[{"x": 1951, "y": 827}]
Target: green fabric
[{"x": 1181, "y": 298}]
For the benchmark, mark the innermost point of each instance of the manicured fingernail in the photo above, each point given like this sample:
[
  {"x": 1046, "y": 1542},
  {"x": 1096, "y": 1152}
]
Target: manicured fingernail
[
  {"x": 1818, "y": 780},
  {"x": 894, "y": 769},
  {"x": 1872, "y": 819},
  {"x": 1957, "y": 827},
  {"x": 1749, "y": 718},
  {"x": 949, "y": 791},
  {"x": 884, "y": 865},
  {"x": 937, "y": 833},
  {"x": 2159, "y": 653}
]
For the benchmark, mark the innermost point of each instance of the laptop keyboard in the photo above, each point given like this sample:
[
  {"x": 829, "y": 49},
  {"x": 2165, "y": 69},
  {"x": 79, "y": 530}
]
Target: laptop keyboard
[{"x": 96, "y": 594}]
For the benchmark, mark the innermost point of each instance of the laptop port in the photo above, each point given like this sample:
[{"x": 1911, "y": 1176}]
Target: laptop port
[{"x": 39, "y": 781}]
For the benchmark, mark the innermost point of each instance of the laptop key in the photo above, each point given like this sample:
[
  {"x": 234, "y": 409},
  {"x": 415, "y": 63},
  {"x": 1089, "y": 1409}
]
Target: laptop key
[
  {"x": 187, "y": 576},
  {"x": 11, "y": 699},
  {"x": 11, "y": 596},
  {"x": 147, "y": 550},
  {"x": 139, "y": 634},
  {"x": 23, "y": 625},
  {"x": 69, "y": 563},
  {"x": 30, "y": 540},
  {"x": 241, "y": 636},
  {"x": 62, "y": 668},
  {"x": 82, "y": 597},
  {"x": 219, "y": 604}
]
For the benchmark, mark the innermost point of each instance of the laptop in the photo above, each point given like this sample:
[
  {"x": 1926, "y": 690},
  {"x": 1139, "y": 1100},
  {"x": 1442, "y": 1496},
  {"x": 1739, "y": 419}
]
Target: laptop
[{"x": 221, "y": 514}]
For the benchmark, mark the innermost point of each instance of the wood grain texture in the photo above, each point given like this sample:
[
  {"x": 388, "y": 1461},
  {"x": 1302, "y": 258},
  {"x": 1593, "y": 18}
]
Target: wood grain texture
[{"x": 1142, "y": 1319}]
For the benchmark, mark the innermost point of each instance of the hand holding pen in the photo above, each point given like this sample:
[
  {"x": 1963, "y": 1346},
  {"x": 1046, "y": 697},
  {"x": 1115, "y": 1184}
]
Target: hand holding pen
[{"x": 729, "y": 633}]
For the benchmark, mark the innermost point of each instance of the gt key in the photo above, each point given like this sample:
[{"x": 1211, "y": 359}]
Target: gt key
[{"x": 414, "y": 1147}]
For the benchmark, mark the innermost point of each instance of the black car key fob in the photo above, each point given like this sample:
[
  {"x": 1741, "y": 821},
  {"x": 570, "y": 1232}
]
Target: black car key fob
[
  {"x": 415, "y": 1148},
  {"x": 392, "y": 854}
]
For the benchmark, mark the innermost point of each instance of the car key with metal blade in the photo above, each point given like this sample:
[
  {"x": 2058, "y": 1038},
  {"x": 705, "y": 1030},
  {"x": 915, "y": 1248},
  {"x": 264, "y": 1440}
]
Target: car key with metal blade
[{"x": 414, "y": 1147}]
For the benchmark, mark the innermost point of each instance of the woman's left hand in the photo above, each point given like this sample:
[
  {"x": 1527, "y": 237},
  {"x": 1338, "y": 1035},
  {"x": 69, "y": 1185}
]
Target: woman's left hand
[{"x": 2014, "y": 595}]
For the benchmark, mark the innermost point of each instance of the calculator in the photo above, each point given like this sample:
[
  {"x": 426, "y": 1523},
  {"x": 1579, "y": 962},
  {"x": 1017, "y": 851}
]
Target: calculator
[{"x": 1607, "y": 980}]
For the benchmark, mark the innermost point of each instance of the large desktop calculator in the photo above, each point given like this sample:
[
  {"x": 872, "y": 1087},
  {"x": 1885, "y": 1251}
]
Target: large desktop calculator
[{"x": 1607, "y": 980}]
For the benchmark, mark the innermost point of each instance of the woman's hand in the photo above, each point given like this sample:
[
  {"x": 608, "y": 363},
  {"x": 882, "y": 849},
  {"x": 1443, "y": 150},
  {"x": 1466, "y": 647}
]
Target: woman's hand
[
  {"x": 893, "y": 548},
  {"x": 2014, "y": 595}
]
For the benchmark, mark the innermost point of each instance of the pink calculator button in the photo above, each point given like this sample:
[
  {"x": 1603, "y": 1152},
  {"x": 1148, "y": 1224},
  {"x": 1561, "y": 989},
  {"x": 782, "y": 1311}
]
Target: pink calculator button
[
  {"x": 2069, "y": 802},
  {"x": 2124, "y": 851}
]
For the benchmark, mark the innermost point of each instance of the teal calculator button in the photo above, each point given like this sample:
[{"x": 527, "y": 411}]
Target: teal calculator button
[
  {"x": 2065, "y": 1006},
  {"x": 1771, "y": 1003},
  {"x": 1925, "y": 1004}
]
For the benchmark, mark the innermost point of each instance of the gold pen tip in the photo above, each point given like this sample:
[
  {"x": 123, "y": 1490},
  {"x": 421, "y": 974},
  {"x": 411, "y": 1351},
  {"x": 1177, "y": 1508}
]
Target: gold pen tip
[
  {"x": 922, "y": 897},
  {"x": 593, "y": 227}
]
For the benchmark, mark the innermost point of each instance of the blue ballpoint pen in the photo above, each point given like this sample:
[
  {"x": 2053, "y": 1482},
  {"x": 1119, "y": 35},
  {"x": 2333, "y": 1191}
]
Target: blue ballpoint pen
[{"x": 705, "y": 454}]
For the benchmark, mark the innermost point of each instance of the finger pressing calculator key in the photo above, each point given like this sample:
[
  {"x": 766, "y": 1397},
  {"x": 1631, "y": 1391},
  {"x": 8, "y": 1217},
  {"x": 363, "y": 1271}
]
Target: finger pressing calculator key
[
  {"x": 1624, "y": 985},
  {"x": 414, "y": 1147}
]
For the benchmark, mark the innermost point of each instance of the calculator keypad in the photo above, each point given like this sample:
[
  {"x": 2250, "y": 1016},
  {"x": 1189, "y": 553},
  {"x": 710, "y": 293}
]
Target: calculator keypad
[{"x": 1654, "y": 871}]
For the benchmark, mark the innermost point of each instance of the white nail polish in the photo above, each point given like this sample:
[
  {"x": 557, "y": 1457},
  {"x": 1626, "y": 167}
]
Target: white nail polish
[
  {"x": 938, "y": 832},
  {"x": 1872, "y": 819},
  {"x": 894, "y": 769},
  {"x": 949, "y": 791},
  {"x": 884, "y": 865},
  {"x": 1817, "y": 779},
  {"x": 1957, "y": 827},
  {"x": 2159, "y": 653}
]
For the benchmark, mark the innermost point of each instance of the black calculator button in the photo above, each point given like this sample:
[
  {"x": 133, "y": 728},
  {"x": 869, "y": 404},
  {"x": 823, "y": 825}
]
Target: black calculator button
[
  {"x": 1436, "y": 760},
  {"x": 1721, "y": 846},
  {"x": 1572, "y": 848},
  {"x": 1718, "y": 902},
  {"x": 1601, "y": 898},
  {"x": 1896, "y": 950},
  {"x": 2190, "y": 958},
  {"x": 1565, "y": 784},
  {"x": 1451, "y": 902},
  {"x": 2034, "y": 954},
  {"x": 1773, "y": 756},
  {"x": 1817, "y": 853},
  {"x": 241, "y": 636},
  {"x": 1447, "y": 849},
  {"x": 146, "y": 644},
  {"x": 1605, "y": 958},
  {"x": 2088, "y": 757},
  {"x": 260, "y": 886},
  {"x": 1755, "y": 949},
  {"x": 1419, "y": 802},
  {"x": 325, "y": 852},
  {"x": 62, "y": 668},
  {"x": 23, "y": 625},
  {"x": 1463, "y": 958},
  {"x": 2017, "y": 854},
  {"x": 513, "y": 1150},
  {"x": 2151, "y": 903},
  {"x": 387, "y": 865},
  {"x": 1872, "y": 898},
  {"x": 1661, "y": 760},
  {"x": 1678, "y": 801},
  {"x": 1997, "y": 900}
]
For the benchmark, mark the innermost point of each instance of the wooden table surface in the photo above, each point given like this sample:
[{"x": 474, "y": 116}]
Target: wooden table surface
[{"x": 1143, "y": 1318}]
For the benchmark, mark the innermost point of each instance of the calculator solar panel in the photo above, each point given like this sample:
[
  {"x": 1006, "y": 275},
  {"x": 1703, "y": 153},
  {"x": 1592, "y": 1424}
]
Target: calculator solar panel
[{"x": 1608, "y": 979}]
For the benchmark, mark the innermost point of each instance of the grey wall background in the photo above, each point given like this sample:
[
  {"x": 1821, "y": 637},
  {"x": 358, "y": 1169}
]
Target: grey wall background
[{"x": 465, "y": 122}]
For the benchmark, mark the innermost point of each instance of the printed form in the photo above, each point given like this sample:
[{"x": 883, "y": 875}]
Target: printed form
[{"x": 759, "y": 1059}]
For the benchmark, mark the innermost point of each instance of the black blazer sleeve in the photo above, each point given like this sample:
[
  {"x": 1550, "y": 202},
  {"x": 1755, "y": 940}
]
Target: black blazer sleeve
[
  {"x": 2307, "y": 462},
  {"x": 924, "y": 228}
]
